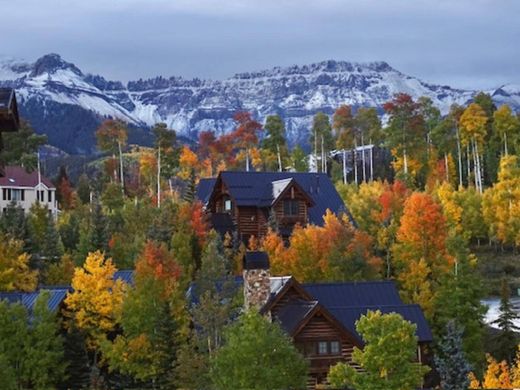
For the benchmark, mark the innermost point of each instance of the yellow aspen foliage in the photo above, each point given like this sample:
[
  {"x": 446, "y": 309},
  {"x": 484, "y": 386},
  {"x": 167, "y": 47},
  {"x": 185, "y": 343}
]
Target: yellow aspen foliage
[
  {"x": 501, "y": 203},
  {"x": 188, "y": 162},
  {"x": 497, "y": 375},
  {"x": 15, "y": 273},
  {"x": 515, "y": 371},
  {"x": 96, "y": 299},
  {"x": 474, "y": 383}
]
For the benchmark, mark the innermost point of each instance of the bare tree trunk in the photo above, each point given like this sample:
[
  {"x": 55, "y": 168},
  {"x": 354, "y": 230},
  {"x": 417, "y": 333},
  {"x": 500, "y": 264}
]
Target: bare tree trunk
[
  {"x": 363, "y": 157},
  {"x": 405, "y": 161},
  {"x": 279, "y": 158},
  {"x": 475, "y": 166},
  {"x": 371, "y": 161},
  {"x": 121, "y": 166},
  {"x": 247, "y": 160},
  {"x": 505, "y": 143},
  {"x": 446, "y": 167},
  {"x": 468, "y": 162},
  {"x": 159, "y": 178},
  {"x": 355, "y": 162},
  {"x": 323, "y": 162},
  {"x": 316, "y": 150},
  {"x": 479, "y": 167},
  {"x": 344, "y": 167},
  {"x": 459, "y": 158}
]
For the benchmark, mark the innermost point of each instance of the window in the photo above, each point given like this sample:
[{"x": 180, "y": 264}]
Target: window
[
  {"x": 291, "y": 207},
  {"x": 334, "y": 347},
  {"x": 228, "y": 205},
  {"x": 6, "y": 193},
  {"x": 49, "y": 196},
  {"x": 18, "y": 195},
  {"x": 322, "y": 348}
]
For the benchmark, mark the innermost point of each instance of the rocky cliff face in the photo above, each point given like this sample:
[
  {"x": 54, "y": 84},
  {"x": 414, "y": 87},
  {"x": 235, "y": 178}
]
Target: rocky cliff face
[{"x": 62, "y": 101}]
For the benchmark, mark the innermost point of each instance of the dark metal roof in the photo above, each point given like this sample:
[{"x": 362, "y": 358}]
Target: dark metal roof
[
  {"x": 56, "y": 297},
  {"x": 413, "y": 313},
  {"x": 256, "y": 189},
  {"x": 293, "y": 313},
  {"x": 256, "y": 260},
  {"x": 126, "y": 276},
  {"x": 354, "y": 293}
]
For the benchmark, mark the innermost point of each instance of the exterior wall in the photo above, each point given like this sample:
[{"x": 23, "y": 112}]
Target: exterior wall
[
  {"x": 290, "y": 221},
  {"x": 248, "y": 222},
  {"x": 30, "y": 197}
]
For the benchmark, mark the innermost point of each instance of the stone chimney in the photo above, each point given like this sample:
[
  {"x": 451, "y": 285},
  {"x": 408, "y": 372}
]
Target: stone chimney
[{"x": 257, "y": 283}]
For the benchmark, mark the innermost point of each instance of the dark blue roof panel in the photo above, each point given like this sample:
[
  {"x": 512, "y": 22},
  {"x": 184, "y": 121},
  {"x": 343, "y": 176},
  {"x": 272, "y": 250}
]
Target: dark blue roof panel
[
  {"x": 293, "y": 313},
  {"x": 256, "y": 189},
  {"x": 56, "y": 297},
  {"x": 413, "y": 313},
  {"x": 354, "y": 294}
]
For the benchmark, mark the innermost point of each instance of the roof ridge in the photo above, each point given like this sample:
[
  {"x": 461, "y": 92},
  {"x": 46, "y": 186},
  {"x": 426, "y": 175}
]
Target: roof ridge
[
  {"x": 369, "y": 306},
  {"x": 348, "y": 282}
]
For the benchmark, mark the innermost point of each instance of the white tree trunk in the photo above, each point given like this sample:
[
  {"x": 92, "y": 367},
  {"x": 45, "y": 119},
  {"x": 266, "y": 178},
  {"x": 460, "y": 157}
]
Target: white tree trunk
[
  {"x": 459, "y": 158},
  {"x": 344, "y": 167},
  {"x": 479, "y": 167},
  {"x": 247, "y": 160},
  {"x": 475, "y": 165},
  {"x": 468, "y": 162},
  {"x": 405, "y": 162},
  {"x": 447, "y": 167},
  {"x": 279, "y": 158},
  {"x": 505, "y": 143},
  {"x": 323, "y": 162},
  {"x": 121, "y": 172},
  {"x": 371, "y": 161},
  {"x": 355, "y": 162},
  {"x": 159, "y": 177},
  {"x": 363, "y": 157},
  {"x": 316, "y": 150}
]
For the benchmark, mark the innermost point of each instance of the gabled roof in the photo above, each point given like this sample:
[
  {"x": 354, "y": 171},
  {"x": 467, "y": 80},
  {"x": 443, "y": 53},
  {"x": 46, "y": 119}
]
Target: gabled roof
[
  {"x": 293, "y": 313},
  {"x": 15, "y": 176},
  {"x": 256, "y": 189}
]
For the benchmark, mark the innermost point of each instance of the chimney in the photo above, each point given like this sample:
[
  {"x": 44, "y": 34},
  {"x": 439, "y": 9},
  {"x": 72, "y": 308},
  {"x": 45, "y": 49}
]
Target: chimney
[{"x": 257, "y": 283}]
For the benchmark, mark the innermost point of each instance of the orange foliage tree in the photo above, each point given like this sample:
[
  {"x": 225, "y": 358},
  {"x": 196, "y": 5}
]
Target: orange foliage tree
[
  {"x": 420, "y": 254},
  {"x": 334, "y": 251}
]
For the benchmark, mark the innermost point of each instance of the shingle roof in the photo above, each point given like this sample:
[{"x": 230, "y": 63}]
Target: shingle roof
[
  {"x": 413, "y": 313},
  {"x": 56, "y": 297},
  {"x": 15, "y": 176},
  {"x": 354, "y": 294},
  {"x": 256, "y": 189},
  {"x": 126, "y": 276}
]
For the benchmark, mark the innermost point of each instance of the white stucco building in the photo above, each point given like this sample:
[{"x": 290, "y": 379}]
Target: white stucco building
[{"x": 25, "y": 189}]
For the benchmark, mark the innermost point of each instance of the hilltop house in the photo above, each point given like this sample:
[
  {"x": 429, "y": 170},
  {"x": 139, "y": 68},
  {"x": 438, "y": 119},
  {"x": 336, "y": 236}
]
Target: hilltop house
[
  {"x": 320, "y": 317},
  {"x": 9, "y": 119},
  {"x": 248, "y": 202},
  {"x": 24, "y": 189}
]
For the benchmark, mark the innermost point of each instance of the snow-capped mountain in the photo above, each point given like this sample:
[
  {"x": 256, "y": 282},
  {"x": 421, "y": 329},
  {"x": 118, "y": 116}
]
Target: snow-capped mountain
[{"x": 62, "y": 101}]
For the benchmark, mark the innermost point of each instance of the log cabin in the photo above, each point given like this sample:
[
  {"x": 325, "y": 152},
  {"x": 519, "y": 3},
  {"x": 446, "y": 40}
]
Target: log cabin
[
  {"x": 247, "y": 203},
  {"x": 9, "y": 118},
  {"x": 321, "y": 318}
]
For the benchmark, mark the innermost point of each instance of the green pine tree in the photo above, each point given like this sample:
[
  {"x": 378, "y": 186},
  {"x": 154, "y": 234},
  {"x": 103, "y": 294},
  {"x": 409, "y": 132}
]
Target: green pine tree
[
  {"x": 450, "y": 360},
  {"x": 507, "y": 340}
]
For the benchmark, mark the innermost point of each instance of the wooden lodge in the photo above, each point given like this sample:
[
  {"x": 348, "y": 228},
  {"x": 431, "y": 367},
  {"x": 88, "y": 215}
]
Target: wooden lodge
[
  {"x": 321, "y": 317},
  {"x": 249, "y": 202}
]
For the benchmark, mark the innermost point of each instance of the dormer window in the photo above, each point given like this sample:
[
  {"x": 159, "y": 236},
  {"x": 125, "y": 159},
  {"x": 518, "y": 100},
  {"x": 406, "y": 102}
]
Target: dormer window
[
  {"x": 291, "y": 207},
  {"x": 228, "y": 204}
]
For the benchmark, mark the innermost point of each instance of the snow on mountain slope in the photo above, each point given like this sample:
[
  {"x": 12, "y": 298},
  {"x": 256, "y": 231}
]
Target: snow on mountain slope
[{"x": 58, "y": 98}]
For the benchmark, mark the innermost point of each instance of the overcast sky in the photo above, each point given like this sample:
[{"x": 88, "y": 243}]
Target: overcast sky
[{"x": 463, "y": 43}]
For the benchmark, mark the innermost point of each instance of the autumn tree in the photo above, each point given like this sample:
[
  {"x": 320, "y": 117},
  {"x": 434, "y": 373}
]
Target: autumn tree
[
  {"x": 299, "y": 159},
  {"x": 167, "y": 154},
  {"x": 245, "y": 136},
  {"x": 368, "y": 127},
  {"x": 388, "y": 360},
  {"x": 497, "y": 375},
  {"x": 15, "y": 273},
  {"x": 420, "y": 254},
  {"x": 506, "y": 124},
  {"x": 111, "y": 137},
  {"x": 473, "y": 132},
  {"x": 95, "y": 300},
  {"x": 146, "y": 347},
  {"x": 405, "y": 133},
  {"x": 501, "y": 203},
  {"x": 257, "y": 354}
]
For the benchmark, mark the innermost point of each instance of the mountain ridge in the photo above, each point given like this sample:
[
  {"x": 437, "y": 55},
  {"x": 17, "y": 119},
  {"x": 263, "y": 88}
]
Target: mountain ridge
[{"x": 67, "y": 104}]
